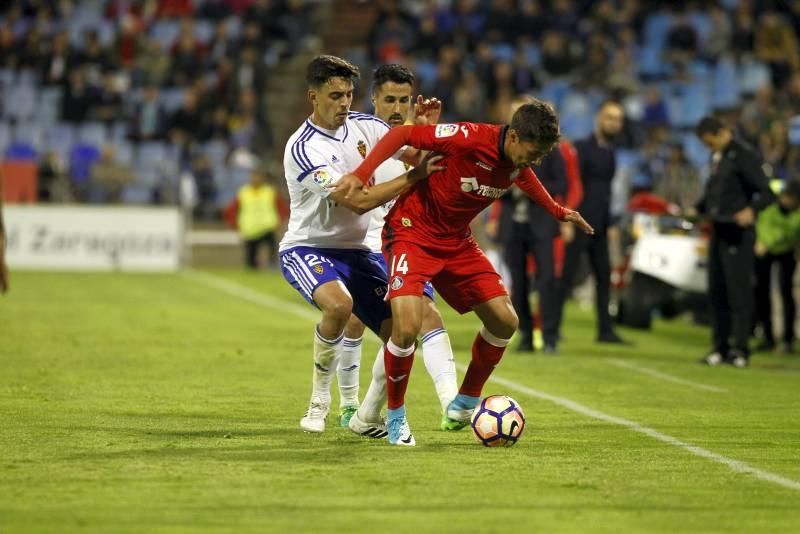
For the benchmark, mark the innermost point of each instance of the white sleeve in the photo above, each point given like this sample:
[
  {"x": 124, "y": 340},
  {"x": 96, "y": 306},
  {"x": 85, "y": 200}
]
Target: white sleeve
[{"x": 306, "y": 164}]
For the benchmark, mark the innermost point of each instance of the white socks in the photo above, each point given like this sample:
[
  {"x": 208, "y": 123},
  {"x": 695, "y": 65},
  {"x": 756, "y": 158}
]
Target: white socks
[
  {"x": 348, "y": 371},
  {"x": 325, "y": 360},
  {"x": 370, "y": 410},
  {"x": 440, "y": 363}
]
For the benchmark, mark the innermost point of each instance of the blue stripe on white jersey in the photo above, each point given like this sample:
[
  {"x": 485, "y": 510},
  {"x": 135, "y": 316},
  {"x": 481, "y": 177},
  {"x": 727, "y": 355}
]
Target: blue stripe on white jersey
[{"x": 298, "y": 152}]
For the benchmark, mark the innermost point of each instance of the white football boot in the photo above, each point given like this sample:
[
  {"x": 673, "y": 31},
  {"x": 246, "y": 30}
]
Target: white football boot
[
  {"x": 314, "y": 419},
  {"x": 400, "y": 433},
  {"x": 369, "y": 429}
]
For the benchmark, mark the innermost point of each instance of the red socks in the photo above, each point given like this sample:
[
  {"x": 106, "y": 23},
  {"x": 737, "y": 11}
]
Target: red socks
[
  {"x": 398, "y": 364},
  {"x": 487, "y": 350}
]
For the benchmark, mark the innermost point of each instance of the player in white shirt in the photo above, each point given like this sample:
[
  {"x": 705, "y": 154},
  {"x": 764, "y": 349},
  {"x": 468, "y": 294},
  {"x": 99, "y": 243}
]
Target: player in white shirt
[
  {"x": 323, "y": 253},
  {"x": 392, "y": 87}
]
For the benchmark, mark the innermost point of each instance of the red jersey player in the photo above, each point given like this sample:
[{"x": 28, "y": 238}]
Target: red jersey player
[{"x": 427, "y": 237}]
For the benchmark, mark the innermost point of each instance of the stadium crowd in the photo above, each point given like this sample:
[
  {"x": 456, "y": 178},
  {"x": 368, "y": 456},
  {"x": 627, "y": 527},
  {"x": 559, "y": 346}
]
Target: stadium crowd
[{"x": 114, "y": 100}]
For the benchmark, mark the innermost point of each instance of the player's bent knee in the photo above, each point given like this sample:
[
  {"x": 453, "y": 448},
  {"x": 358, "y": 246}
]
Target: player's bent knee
[{"x": 405, "y": 335}]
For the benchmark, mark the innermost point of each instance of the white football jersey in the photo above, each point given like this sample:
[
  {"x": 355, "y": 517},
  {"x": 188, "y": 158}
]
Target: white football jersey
[
  {"x": 315, "y": 158},
  {"x": 388, "y": 170}
]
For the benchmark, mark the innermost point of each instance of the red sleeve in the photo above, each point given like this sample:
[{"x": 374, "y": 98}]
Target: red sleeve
[
  {"x": 390, "y": 143},
  {"x": 573, "y": 171},
  {"x": 530, "y": 184},
  {"x": 231, "y": 214},
  {"x": 444, "y": 139}
]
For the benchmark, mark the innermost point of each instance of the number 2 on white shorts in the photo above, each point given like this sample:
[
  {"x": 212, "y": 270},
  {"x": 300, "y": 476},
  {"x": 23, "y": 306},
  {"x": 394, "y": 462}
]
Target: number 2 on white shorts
[{"x": 399, "y": 265}]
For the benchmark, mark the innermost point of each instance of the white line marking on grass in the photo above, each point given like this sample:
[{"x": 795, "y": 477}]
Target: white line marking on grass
[
  {"x": 250, "y": 295},
  {"x": 664, "y": 376}
]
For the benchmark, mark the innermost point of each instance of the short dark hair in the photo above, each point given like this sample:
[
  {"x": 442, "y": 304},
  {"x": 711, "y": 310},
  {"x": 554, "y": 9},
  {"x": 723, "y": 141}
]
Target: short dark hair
[
  {"x": 391, "y": 72},
  {"x": 323, "y": 68},
  {"x": 536, "y": 121},
  {"x": 708, "y": 125}
]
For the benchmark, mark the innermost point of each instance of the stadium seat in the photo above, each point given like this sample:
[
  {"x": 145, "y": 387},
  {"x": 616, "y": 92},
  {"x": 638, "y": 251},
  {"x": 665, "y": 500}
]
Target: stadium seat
[
  {"x": 752, "y": 76},
  {"x": 171, "y": 98},
  {"x": 725, "y": 84},
  {"x": 696, "y": 151},
  {"x": 137, "y": 194},
  {"x": 81, "y": 159},
  {"x": 701, "y": 23},
  {"x": 576, "y": 115},
  {"x": 20, "y": 102},
  {"x": 20, "y": 151},
  {"x": 503, "y": 52},
  {"x": 203, "y": 30},
  {"x": 59, "y": 138},
  {"x": 656, "y": 28},
  {"x": 49, "y": 108},
  {"x": 29, "y": 132},
  {"x": 651, "y": 64},
  {"x": 124, "y": 152},
  {"x": 5, "y": 136},
  {"x": 216, "y": 152},
  {"x": 555, "y": 91},
  {"x": 533, "y": 56},
  {"x": 165, "y": 32},
  {"x": 7, "y": 77},
  {"x": 93, "y": 133}
]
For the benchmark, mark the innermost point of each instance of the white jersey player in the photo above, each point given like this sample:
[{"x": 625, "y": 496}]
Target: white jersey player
[{"x": 323, "y": 254}]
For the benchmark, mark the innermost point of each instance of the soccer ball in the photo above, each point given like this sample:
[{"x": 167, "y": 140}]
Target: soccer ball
[{"x": 498, "y": 421}]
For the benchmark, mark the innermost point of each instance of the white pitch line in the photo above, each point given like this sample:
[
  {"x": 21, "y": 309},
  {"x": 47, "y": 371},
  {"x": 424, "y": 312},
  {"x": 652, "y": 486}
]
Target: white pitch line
[
  {"x": 249, "y": 295},
  {"x": 665, "y": 376}
]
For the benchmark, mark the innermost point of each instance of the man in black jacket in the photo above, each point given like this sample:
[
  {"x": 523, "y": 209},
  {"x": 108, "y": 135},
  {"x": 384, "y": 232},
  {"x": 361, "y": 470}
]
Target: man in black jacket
[
  {"x": 736, "y": 190},
  {"x": 526, "y": 228},
  {"x": 597, "y": 167}
]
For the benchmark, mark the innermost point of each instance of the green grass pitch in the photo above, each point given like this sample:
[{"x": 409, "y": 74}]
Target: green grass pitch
[{"x": 163, "y": 403}]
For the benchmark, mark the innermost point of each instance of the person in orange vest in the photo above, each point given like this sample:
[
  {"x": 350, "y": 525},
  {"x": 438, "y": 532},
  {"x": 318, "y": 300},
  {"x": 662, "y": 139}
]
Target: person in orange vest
[{"x": 255, "y": 212}]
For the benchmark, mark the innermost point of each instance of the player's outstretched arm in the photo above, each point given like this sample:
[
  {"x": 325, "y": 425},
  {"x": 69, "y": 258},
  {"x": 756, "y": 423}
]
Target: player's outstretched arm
[
  {"x": 530, "y": 184},
  {"x": 383, "y": 193}
]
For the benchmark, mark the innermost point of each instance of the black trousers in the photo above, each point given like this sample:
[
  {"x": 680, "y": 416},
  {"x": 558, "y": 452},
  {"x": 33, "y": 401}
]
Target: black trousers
[
  {"x": 522, "y": 243},
  {"x": 786, "y": 266},
  {"x": 596, "y": 246},
  {"x": 251, "y": 249},
  {"x": 730, "y": 287}
]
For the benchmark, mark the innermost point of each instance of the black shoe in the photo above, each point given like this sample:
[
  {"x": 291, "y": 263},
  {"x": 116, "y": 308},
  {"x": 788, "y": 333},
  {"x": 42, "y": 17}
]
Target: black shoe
[
  {"x": 612, "y": 337},
  {"x": 738, "y": 359},
  {"x": 550, "y": 349},
  {"x": 714, "y": 359},
  {"x": 525, "y": 344},
  {"x": 765, "y": 346}
]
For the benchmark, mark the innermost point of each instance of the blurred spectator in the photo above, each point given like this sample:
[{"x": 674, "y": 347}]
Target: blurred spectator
[
  {"x": 777, "y": 237},
  {"x": 256, "y": 215},
  {"x": 148, "y": 120},
  {"x": 679, "y": 183},
  {"x": 203, "y": 174},
  {"x": 54, "y": 186},
  {"x": 776, "y": 45},
  {"x": 720, "y": 35},
  {"x": 622, "y": 75},
  {"x": 93, "y": 58},
  {"x": 187, "y": 122},
  {"x": 597, "y": 168},
  {"x": 108, "y": 177},
  {"x": 220, "y": 46},
  {"x": 682, "y": 40},
  {"x": 429, "y": 39},
  {"x": 215, "y": 10},
  {"x": 78, "y": 98},
  {"x": 127, "y": 44},
  {"x": 248, "y": 125},
  {"x": 500, "y": 17},
  {"x": 175, "y": 8},
  {"x": 469, "y": 100},
  {"x": 10, "y": 53},
  {"x": 106, "y": 103},
  {"x": 557, "y": 57},
  {"x": 564, "y": 17},
  {"x": 216, "y": 127},
  {"x": 593, "y": 72},
  {"x": 744, "y": 28},
  {"x": 774, "y": 146},
  {"x": 530, "y": 22},
  {"x": 249, "y": 72},
  {"x": 57, "y": 64},
  {"x": 152, "y": 63},
  {"x": 187, "y": 58},
  {"x": 655, "y": 109}
]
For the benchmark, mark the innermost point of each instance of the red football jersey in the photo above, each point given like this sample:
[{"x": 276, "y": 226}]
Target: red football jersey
[{"x": 477, "y": 173}]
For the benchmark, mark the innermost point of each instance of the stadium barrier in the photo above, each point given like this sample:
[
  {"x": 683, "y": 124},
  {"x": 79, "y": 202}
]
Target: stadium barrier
[{"x": 82, "y": 238}]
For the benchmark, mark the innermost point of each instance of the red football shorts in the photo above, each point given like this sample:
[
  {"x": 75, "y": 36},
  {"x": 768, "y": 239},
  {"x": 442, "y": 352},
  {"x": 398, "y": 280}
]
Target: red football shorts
[{"x": 463, "y": 276}]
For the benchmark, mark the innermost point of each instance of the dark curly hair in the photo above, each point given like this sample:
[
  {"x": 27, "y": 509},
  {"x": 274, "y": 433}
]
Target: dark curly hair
[
  {"x": 323, "y": 68},
  {"x": 536, "y": 121}
]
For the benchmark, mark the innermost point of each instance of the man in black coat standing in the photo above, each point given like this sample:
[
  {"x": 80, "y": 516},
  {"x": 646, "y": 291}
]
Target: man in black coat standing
[
  {"x": 597, "y": 167},
  {"x": 736, "y": 190}
]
